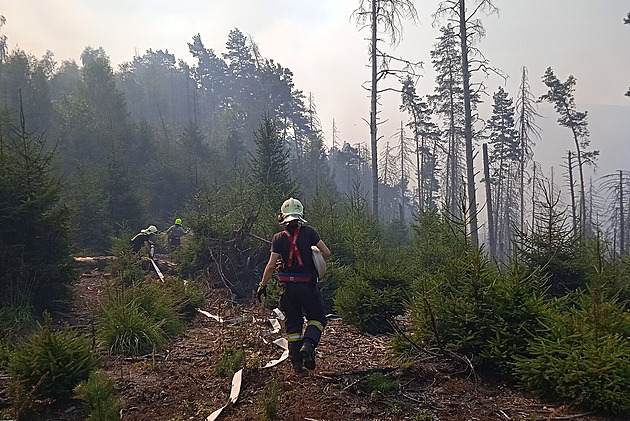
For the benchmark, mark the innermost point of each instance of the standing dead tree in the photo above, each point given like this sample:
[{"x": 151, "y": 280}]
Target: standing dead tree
[
  {"x": 470, "y": 30},
  {"x": 617, "y": 186},
  {"x": 525, "y": 109},
  {"x": 383, "y": 17}
]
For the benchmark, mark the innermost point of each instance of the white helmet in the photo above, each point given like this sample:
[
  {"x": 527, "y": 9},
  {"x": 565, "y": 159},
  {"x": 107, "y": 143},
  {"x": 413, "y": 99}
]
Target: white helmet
[
  {"x": 151, "y": 230},
  {"x": 292, "y": 209}
]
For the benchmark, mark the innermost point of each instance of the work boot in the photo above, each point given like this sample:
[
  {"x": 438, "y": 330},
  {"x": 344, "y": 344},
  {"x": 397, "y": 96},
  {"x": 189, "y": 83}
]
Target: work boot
[
  {"x": 297, "y": 367},
  {"x": 308, "y": 355}
]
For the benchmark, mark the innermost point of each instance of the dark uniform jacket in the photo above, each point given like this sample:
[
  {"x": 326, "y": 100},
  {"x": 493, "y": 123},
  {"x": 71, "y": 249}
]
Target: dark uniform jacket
[
  {"x": 137, "y": 242},
  {"x": 307, "y": 237}
]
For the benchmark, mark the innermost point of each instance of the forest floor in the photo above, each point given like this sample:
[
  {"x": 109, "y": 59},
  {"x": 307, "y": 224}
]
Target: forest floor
[{"x": 181, "y": 382}]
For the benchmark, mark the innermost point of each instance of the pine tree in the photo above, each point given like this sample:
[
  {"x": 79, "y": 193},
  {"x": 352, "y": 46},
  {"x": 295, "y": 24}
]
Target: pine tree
[
  {"x": 3, "y": 44},
  {"x": 426, "y": 136},
  {"x": 158, "y": 90},
  {"x": 211, "y": 76},
  {"x": 24, "y": 83},
  {"x": 350, "y": 168},
  {"x": 560, "y": 94}
]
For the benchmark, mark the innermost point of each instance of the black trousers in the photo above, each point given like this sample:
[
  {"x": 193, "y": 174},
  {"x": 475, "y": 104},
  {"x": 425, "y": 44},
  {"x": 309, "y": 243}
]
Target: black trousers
[{"x": 300, "y": 299}]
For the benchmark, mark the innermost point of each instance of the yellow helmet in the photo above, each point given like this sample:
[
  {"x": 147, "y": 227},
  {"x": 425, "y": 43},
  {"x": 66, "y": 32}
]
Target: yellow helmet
[
  {"x": 292, "y": 210},
  {"x": 178, "y": 221}
]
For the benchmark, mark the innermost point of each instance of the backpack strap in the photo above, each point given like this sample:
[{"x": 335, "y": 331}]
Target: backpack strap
[{"x": 293, "y": 250}]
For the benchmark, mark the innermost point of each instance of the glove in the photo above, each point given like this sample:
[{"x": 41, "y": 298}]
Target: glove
[
  {"x": 262, "y": 290},
  {"x": 152, "y": 252}
]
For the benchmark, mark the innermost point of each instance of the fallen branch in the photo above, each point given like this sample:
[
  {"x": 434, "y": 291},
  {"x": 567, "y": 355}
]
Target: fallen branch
[
  {"x": 417, "y": 347},
  {"x": 553, "y": 411},
  {"x": 444, "y": 351},
  {"x": 433, "y": 323},
  {"x": 573, "y": 416},
  {"x": 421, "y": 402},
  {"x": 361, "y": 373}
]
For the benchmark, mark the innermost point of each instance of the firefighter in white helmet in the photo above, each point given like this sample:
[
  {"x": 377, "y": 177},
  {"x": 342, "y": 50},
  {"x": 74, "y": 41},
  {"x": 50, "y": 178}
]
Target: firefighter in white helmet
[
  {"x": 143, "y": 239},
  {"x": 298, "y": 280}
]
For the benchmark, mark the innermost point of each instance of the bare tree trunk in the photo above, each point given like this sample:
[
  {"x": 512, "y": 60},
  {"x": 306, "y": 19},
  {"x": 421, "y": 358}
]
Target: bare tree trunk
[
  {"x": 571, "y": 187},
  {"x": 373, "y": 128},
  {"x": 522, "y": 134},
  {"x": 422, "y": 162},
  {"x": 429, "y": 192},
  {"x": 402, "y": 173},
  {"x": 451, "y": 177},
  {"x": 622, "y": 244},
  {"x": 499, "y": 204},
  {"x": 507, "y": 243},
  {"x": 470, "y": 174},
  {"x": 582, "y": 189},
  {"x": 418, "y": 175},
  {"x": 453, "y": 174},
  {"x": 534, "y": 196},
  {"x": 491, "y": 232}
]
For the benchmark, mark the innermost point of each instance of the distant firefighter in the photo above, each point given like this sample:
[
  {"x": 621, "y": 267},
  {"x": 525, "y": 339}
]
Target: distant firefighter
[
  {"x": 175, "y": 233},
  {"x": 143, "y": 238}
]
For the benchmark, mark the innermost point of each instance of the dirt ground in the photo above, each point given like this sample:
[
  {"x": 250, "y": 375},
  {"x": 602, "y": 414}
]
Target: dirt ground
[{"x": 181, "y": 382}]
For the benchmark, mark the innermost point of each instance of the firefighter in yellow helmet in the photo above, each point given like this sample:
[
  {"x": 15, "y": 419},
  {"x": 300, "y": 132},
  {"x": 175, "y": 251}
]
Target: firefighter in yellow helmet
[
  {"x": 175, "y": 233},
  {"x": 298, "y": 280}
]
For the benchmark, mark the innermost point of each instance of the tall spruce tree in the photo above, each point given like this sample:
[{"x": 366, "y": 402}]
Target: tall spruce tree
[
  {"x": 35, "y": 232},
  {"x": 504, "y": 157},
  {"x": 270, "y": 164}
]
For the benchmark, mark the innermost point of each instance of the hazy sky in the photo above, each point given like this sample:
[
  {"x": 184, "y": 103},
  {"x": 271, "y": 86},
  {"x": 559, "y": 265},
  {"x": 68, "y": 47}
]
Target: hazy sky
[{"x": 321, "y": 44}]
